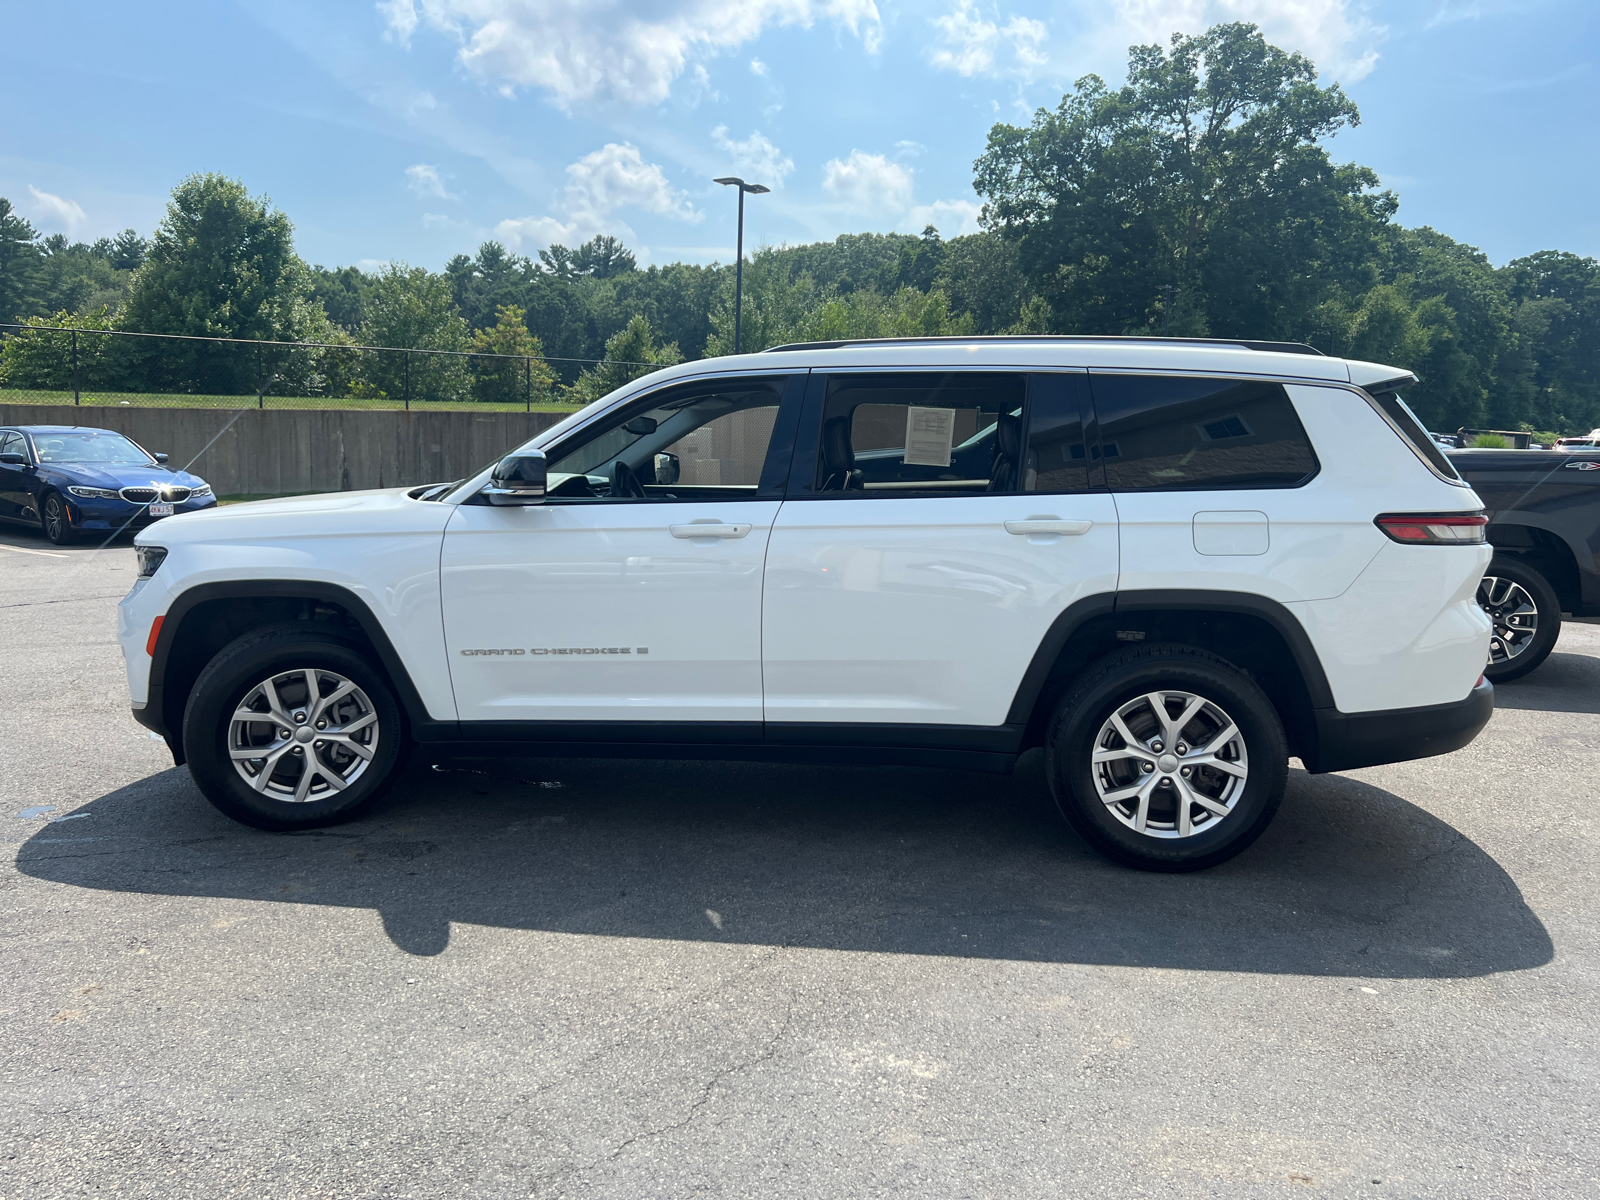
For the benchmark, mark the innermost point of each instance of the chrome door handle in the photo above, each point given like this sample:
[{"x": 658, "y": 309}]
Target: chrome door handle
[
  {"x": 708, "y": 529},
  {"x": 1049, "y": 525}
]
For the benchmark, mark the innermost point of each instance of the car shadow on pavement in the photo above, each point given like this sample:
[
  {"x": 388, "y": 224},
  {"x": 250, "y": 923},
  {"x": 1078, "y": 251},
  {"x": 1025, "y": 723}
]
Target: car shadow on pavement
[
  {"x": 1562, "y": 683},
  {"x": 1349, "y": 880}
]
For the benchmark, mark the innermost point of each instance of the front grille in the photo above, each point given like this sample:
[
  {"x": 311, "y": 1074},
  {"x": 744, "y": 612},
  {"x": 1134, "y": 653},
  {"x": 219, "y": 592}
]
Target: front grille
[{"x": 149, "y": 495}]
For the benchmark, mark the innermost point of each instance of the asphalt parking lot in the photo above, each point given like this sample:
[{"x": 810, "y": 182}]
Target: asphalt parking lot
[{"x": 594, "y": 978}]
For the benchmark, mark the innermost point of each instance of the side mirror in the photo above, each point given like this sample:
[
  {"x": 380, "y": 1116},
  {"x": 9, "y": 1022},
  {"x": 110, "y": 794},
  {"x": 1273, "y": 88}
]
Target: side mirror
[
  {"x": 161, "y": 458},
  {"x": 641, "y": 425},
  {"x": 518, "y": 479},
  {"x": 667, "y": 468},
  {"x": 12, "y": 459}
]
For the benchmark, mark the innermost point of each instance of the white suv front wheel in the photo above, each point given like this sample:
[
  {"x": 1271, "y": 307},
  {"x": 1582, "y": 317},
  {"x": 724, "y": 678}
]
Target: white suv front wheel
[
  {"x": 291, "y": 728},
  {"x": 1167, "y": 758}
]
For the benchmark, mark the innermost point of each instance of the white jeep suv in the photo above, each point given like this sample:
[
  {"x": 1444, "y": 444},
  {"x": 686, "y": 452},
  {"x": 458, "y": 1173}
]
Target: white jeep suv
[{"x": 1170, "y": 563}]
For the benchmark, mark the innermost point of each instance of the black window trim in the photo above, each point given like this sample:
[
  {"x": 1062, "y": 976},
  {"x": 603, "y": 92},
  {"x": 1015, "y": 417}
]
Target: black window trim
[{"x": 1245, "y": 377}]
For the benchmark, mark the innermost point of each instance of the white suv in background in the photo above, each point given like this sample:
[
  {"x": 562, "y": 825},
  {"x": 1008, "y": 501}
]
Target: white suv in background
[{"x": 1171, "y": 563}]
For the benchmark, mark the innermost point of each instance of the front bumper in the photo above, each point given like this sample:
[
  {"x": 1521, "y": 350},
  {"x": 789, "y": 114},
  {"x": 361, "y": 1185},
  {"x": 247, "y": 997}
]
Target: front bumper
[
  {"x": 1369, "y": 739},
  {"x": 107, "y": 515}
]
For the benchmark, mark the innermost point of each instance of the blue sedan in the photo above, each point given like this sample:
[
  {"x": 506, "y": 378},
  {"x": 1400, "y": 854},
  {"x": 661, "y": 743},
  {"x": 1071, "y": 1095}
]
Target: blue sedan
[{"x": 69, "y": 479}]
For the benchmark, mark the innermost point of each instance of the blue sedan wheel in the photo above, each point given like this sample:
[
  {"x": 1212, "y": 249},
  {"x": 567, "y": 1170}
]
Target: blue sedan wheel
[{"x": 57, "y": 525}]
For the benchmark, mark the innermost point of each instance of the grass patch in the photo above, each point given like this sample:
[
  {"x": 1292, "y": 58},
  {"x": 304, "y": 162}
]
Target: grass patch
[{"x": 174, "y": 400}]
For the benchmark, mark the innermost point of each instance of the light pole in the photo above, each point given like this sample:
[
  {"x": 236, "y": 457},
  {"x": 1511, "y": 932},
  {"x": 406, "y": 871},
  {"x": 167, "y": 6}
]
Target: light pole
[{"x": 755, "y": 189}]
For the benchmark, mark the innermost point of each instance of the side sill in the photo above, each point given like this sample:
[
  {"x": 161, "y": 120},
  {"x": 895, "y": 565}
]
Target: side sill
[
  {"x": 1346, "y": 741},
  {"x": 966, "y": 747},
  {"x": 900, "y": 756}
]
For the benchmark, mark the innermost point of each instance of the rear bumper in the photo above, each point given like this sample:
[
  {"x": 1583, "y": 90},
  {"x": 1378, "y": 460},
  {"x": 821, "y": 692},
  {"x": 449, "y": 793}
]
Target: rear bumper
[{"x": 1349, "y": 740}]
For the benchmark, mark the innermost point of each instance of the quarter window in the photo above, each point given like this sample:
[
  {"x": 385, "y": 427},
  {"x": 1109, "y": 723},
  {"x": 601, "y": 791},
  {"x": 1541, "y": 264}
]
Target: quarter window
[
  {"x": 956, "y": 433},
  {"x": 1162, "y": 432}
]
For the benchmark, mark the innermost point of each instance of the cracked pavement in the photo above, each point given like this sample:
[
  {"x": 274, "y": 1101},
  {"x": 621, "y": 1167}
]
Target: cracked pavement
[{"x": 632, "y": 979}]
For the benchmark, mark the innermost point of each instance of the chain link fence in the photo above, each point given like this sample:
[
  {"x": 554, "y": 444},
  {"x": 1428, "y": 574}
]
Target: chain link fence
[{"x": 55, "y": 365}]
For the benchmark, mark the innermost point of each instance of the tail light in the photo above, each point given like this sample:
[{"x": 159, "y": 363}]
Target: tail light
[{"x": 1436, "y": 529}]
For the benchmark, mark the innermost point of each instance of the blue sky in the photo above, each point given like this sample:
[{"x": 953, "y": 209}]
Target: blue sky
[{"x": 415, "y": 129}]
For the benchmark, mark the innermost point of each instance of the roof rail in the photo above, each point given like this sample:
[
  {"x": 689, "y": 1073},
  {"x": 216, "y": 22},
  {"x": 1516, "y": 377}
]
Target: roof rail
[{"x": 1028, "y": 338}]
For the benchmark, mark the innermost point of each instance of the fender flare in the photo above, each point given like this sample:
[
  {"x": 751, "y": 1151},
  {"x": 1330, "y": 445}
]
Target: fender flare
[
  {"x": 1076, "y": 615},
  {"x": 153, "y": 715}
]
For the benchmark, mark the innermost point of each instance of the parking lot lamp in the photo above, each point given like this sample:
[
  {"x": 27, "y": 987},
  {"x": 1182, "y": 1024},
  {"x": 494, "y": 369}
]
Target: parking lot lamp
[{"x": 755, "y": 189}]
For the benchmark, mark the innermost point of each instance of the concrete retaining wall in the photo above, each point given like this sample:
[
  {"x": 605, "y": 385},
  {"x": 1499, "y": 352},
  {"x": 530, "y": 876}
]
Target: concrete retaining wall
[{"x": 274, "y": 451}]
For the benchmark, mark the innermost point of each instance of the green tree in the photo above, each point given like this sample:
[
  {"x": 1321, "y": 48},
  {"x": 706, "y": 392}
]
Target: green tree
[
  {"x": 510, "y": 380},
  {"x": 19, "y": 263},
  {"x": 630, "y": 353},
  {"x": 1204, "y": 175},
  {"x": 411, "y": 308},
  {"x": 44, "y": 360},
  {"x": 221, "y": 264},
  {"x": 79, "y": 278},
  {"x": 342, "y": 293},
  {"x": 603, "y": 257}
]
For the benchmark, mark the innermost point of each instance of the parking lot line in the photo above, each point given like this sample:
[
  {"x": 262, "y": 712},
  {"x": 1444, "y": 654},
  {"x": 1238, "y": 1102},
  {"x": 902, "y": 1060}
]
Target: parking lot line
[{"x": 41, "y": 553}]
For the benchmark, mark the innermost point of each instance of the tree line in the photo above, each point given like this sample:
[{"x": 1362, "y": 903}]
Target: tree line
[{"x": 1198, "y": 199}]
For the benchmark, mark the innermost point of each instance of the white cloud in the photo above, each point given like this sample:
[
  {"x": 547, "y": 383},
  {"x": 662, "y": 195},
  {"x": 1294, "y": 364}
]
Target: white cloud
[
  {"x": 951, "y": 218},
  {"x": 971, "y": 42},
  {"x": 401, "y": 18},
  {"x": 910, "y": 149},
  {"x": 868, "y": 182},
  {"x": 757, "y": 67},
  {"x": 578, "y": 49},
  {"x": 425, "y": 180},
  {"x": 755, "y": 158},
  {"x": 1343, "y": 46},
  {"x": 614, "y": 177},
  {"x": 53, "y": 210}
]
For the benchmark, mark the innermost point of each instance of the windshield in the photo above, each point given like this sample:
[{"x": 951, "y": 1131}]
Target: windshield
[{"x": 89, "y": 446}]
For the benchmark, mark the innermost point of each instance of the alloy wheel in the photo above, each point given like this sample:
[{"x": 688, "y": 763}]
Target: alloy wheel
[
  {"x": 303, "y": 735},
  {"x": 55, "y": 517},
  {"x": 1169, "y": 764},
  {"x": 1515, "y": 617}
]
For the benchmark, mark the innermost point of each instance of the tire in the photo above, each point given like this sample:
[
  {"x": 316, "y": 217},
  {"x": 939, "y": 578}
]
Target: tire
[
  {"x": 361, "y": 747},
  {"x": 1513, "y": 594},
  {"x": 57, "y": 521},
  {"x": 1247, "y": 789}
]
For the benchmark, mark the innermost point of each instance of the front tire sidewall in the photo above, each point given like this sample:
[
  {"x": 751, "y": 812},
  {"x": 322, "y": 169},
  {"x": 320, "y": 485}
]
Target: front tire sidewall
[
  {"x": 1548, "y": 606},
  {"x": 1078, "y": 724},
  {"x": 217, "y": 695},
  {"x": 63, "y": 534}
]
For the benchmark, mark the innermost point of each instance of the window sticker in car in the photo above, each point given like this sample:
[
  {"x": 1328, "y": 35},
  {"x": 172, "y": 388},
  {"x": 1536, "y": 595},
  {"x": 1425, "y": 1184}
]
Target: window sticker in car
[{"x": 929, "y": 435}]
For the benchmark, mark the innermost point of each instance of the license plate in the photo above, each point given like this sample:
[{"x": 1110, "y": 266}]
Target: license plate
[{"x": 161, "y": 510}]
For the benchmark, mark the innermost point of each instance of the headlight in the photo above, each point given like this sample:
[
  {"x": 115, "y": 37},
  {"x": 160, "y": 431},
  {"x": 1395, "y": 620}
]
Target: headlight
[
  {"x": 150, "y": 559},
  {"x": 203, "y": 490},
  {"x": 89, "y": 493}
]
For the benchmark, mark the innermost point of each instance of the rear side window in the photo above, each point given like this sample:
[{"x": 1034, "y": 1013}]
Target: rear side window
[
  {"x": 888, "y": 434},
  {"x": 1163, "y": 432}
]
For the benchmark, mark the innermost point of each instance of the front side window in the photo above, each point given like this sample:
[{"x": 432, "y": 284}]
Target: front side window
[
  {"x": 11, "y": 443},
  {"x": 86, "y": 446},
  {"x": 697, "y": 441},
  {"x": 1165, "y": 432},
  {"x": 905, "y": 433}
]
